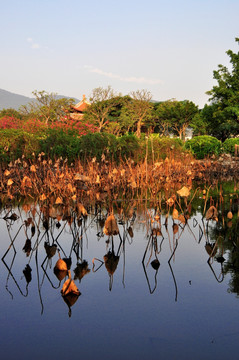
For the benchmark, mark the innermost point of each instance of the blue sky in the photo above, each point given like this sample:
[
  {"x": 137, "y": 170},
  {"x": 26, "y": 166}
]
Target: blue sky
[{"x": 71, "y": 47}]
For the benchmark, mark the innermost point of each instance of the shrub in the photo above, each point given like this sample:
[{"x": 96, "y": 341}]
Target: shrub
[
  {"x": 203, "y": 146},
  {"x": 229, "y": 145},
  {"x": 127, "y": 147},
  {"x": 94, "y": 145},
  {"x": 15, "y": 142},
  {"x": 59, "y": 143}
]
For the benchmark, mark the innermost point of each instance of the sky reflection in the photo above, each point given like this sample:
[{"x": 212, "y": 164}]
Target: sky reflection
[{"x": 162, "y": 294}]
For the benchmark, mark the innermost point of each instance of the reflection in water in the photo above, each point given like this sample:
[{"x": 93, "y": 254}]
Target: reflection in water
[{"x": 44, "y": 228}]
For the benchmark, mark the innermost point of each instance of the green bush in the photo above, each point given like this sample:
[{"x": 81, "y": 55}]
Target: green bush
[
  {"x": 96, "y": 144},
  {"x": 127, "y": 147},
  {"x": 15, "y": 142},
  {"x": 59, "y": 143},
  {"x": 229, "y": 145},
  {"x": 203, "y": 146}
]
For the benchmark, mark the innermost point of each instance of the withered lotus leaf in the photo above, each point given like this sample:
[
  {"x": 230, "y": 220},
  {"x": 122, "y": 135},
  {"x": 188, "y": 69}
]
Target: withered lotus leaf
[
  {"x": 211, "y": 213},
  {"x": 26, "y": 181},
  {"x": 211, "y": 249},
  {"x": 175, "y": 214},
  {"x": 42, "y": 197},
  {"x": 81, "y": 210},
  {"x": 6, "y": 173},
  {"x": 69, "y": 287},
  {"x": 10, "y": 182},
  {"x": 58, "y": 201},
  {"x": 175, "y": 228},
  {"x": 111, "y": 262},
  {"x": 170, "y": 202},
  {"x": 130, "y": 232},
  {"x": 60, "y": 265},
  {"x": 111, "y": 227},
  {"x": 33, "y": 168},
  {"x": 183, "y": 192},
  {"x": 182, "y": 219},
  {"x": 229, "y": 215}
]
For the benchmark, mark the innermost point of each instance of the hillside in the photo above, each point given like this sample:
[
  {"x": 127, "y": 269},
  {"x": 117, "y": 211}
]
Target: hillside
[
  {"x": 11, "y": 100},
  {"x": 14, "y": 101}
]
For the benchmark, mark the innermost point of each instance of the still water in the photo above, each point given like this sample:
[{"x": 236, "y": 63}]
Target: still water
[{"x": 155, "y": 290}]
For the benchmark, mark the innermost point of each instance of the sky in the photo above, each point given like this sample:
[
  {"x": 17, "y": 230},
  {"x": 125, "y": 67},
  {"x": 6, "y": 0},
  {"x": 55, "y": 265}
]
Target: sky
[{"x": 169, "y": 48}]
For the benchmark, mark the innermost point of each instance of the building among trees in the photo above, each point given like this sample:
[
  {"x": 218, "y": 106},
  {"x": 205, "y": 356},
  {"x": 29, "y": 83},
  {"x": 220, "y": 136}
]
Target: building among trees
[{"x": 77, "y": 111}]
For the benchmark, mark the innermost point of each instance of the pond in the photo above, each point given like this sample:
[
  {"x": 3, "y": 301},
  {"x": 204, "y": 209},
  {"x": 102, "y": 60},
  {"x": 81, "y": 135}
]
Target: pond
[{"x": 162, "y": 287}]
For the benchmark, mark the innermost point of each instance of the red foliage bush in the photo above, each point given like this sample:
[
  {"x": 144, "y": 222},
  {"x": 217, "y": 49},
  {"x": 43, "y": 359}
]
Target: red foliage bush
[{"x": 34, "y": 126}]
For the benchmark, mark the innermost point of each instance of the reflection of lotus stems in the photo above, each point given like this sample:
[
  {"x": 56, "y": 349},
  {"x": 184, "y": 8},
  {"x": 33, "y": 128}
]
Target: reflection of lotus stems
[
  {"x": 222, "y": 273},
  {"x": 175, "y": 283},
  {"x": 38, "y": 281}
]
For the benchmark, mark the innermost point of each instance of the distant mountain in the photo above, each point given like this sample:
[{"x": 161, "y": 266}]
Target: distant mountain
[
  {"x": 14, "y": 101},
  {"x": 11, "y": 100}
]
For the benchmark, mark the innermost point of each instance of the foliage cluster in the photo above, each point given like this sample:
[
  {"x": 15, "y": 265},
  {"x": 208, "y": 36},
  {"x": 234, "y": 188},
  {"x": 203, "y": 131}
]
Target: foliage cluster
[
  {"x": 15, "y": 143},
  {"x": 229, "y": 145},
  {"x": 203, "y": 146},
  {"x": 55, "y": 143}
]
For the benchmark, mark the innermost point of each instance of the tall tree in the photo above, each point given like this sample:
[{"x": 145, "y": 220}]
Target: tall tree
[
  {"x": 224, "y": 97},
  {"x": 176, "y": 116},
  {"x": 138, "y": 111},
  {"x": 47, "y": 106},
  {"x": 103, "y": 102}
]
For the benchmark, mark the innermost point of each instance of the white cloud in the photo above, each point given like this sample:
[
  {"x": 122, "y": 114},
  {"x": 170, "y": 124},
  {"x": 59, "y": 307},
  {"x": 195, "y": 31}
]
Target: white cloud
[
  {"x": 132, "y": 79},
  {"x": 34, "y": 45}
]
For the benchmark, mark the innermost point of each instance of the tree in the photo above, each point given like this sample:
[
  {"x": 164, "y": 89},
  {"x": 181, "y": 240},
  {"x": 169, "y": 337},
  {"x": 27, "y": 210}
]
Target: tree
[
  {"x": 47, "y": 106},
  {"x": 176, "y": 116},
  {"x": 138, "y": 110},
  {"x": 224, "y": 97},
  {"x": 103, "y": 102}
]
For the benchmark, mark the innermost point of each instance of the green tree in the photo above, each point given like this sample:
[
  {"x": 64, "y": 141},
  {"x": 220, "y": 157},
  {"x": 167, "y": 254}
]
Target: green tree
[
  {"x": 103, "y": 102},
  {"x": 175, "y": 116},
  {"x": 138, "y": 111},
  {"x": 224, "y": 97},
  {"x": 47, "y": 106}
]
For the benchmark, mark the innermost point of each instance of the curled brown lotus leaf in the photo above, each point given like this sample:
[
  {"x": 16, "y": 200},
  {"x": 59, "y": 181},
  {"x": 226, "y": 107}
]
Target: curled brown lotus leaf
[
  {"x": 111, "y": 262},
  {"x": 81, "y": 210},
  {"x": 60, "y": 274},
  {"x": 211, "y": 249},
  {"x": 111, "y": 227},
  {"x": 211, "y": 213},
  {"x": 10, "y": 182},
  {"x": 33, "y": 168},
  {"x": 69, "y": 287},
  {"x": 175, "y": 228},
  {"x": 81, "y": 270},
  {"x": 182, "y": 219},
  {"x": 60, "y": 265},
  {"x": 130, "y": 232},
  {"x": 183, "y": 192},
  {"x": 58, "y": 201},
  {"x": 170, "y": 202},
  {"x": 26, "y": 181}
]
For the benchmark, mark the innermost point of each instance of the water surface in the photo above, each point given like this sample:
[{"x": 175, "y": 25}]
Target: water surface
[{"x": 162, "y": 295}]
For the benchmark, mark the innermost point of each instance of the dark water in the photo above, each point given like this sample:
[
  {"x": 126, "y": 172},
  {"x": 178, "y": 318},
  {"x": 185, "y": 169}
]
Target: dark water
[{"x": 165, "y": 297}]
